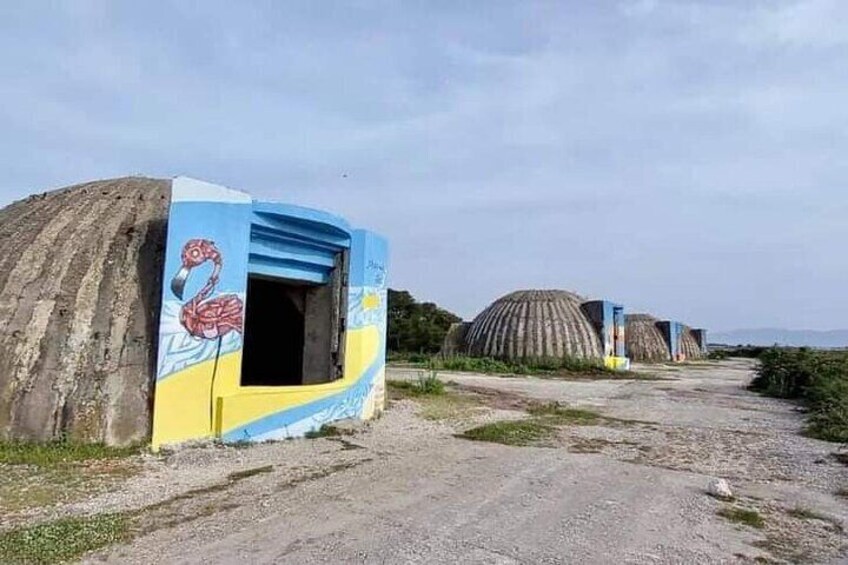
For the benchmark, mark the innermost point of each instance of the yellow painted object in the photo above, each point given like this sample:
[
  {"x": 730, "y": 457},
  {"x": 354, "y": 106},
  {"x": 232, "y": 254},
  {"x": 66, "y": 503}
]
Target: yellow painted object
[
  {"x": 249, "y": 404},
  {"x": 371, "y": 301},
  {"x": 188, "y": 409},
  {"x": 617, "y": 363},
  {"x": 183, "y": 399}
]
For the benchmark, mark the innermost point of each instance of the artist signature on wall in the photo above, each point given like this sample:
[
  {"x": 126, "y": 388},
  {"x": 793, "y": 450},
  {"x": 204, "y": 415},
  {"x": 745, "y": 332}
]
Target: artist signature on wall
[{"x": 379, "y": 271}]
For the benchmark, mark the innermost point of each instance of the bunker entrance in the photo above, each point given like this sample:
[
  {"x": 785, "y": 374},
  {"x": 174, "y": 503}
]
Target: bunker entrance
[{"x": 293, "y": 333}]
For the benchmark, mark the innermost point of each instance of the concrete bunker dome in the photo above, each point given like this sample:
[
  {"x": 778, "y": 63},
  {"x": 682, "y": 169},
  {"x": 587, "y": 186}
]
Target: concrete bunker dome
[
  {"x": 689, "y": 346},
  {"x": 271, "y": 321},
  {"x": 645, "y": 341},
  {"x": 80, "y": 279},
  {"x": 534, "y": 324}
]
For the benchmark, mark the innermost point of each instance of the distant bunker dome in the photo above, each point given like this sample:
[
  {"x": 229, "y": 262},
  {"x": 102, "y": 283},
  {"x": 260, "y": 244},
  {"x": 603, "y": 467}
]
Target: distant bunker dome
[
  {"x": 80, "y": 280},
  {"x": 689, "y": 345},
  {"x": 645, "y": 341},
  {"x": 534, "y": 324}
]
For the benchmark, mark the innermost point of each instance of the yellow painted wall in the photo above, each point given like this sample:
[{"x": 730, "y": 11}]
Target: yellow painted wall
[{"x": 184, "y": 398}]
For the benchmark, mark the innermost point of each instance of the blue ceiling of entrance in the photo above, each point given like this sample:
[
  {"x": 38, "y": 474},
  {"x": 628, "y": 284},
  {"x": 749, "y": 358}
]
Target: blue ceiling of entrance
[{"x": 295, "y": 243}]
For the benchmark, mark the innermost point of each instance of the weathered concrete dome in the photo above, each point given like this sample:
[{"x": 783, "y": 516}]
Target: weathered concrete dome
[
  {"x": 644, "y": 340},
  {"x": 689, "y": 345},
  {"x": 530, "y": 324},
  {"x": 80, "y": 284}
]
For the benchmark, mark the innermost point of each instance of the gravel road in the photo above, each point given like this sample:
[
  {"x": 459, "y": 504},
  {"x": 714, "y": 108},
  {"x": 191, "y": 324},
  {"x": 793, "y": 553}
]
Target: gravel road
[{"x": 404, "y": 489}]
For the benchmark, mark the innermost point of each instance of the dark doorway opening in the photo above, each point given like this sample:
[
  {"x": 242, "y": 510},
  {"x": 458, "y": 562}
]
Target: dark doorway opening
[
  {"x": 273, "y": 334},
  {"x": 293, "y": 332}
]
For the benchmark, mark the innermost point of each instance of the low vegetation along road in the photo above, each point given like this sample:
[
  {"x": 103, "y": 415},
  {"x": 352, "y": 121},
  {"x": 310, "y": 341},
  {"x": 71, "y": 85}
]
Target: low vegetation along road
[{"x": 485, "y": 470}]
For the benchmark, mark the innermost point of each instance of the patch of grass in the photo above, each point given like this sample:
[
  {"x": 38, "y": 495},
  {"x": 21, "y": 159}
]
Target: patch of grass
[
  {"x": 469, "y": 365},
  {"x": 744, "y": 516},
  {"x": 557, "y": 414},
  {"x": 540, "y": 366},
  {"x": 513, "y": 432},
  {"x": 67, "y": 539},
  {"x": 436, "y": 402},
  {"x": 447, "y": 407},
  {"x": 427, "y": 384},
  {"x": 247, "y": 473},
  {"x": 608, "y": 375},
  {"x": 46, "y": 473},
  {"x": 23, "y": 487},
  {"x": 404, "y": 388},
  {"x": 55, "y": 453},
  {"x": 61, "y": 540}
]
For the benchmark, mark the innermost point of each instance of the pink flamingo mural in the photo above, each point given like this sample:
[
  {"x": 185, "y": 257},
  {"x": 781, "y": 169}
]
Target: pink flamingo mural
[
  {"x": 201, "y": 316},
  {"x": 204, "y": 317}
]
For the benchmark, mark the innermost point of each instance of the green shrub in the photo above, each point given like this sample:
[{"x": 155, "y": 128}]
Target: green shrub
[
  {"x": 828, "y": 402},
  {"x": 470, "y": 364},
  {"x": 429, "y": 383},
  {"x": 540, "y": 366},
  {"x": 819, "y": 379}
]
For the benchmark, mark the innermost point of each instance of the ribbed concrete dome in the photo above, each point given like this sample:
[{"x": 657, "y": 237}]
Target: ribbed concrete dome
[
  {"x": 689, "y": 345},
  {"x": 534, "y": 324},
  {"x": 80, "y": 284},
  {"x": 644, "y": 340}
]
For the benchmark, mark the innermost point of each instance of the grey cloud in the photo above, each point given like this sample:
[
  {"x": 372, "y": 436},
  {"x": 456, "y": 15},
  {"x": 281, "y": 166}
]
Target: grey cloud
[{"x": 682, "y": 157}]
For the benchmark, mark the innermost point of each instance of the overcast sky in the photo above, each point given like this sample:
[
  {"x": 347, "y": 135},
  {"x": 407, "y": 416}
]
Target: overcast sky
[{"x": 689, "y": 159}]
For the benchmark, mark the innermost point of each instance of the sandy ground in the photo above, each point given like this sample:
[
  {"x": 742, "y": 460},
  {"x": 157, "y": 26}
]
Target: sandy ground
[{"x": 404, "y": 489}]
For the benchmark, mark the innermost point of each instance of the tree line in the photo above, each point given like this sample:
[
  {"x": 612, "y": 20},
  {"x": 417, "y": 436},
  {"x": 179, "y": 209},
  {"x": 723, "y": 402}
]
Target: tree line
[{"x": 416, "y": 327}]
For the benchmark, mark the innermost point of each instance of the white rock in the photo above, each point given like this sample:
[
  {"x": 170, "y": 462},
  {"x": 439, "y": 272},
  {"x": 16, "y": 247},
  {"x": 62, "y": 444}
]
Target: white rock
[{"x": 719, "y": 488}]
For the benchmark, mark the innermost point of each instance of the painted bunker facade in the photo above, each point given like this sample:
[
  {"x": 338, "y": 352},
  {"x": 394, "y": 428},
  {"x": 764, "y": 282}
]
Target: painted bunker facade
[{"x": 134, "y": 309}]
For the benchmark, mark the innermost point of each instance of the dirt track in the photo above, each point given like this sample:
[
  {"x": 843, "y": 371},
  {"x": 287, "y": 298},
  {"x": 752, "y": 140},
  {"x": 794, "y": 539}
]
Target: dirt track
[{"x": 403, "y": 489}]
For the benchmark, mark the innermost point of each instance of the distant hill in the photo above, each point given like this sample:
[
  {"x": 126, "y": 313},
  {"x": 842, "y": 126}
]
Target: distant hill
[{"x": 770, "y": 336}]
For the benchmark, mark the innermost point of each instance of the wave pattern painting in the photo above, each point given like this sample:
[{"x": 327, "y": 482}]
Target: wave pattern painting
[{"x": 178, "y": 349}]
